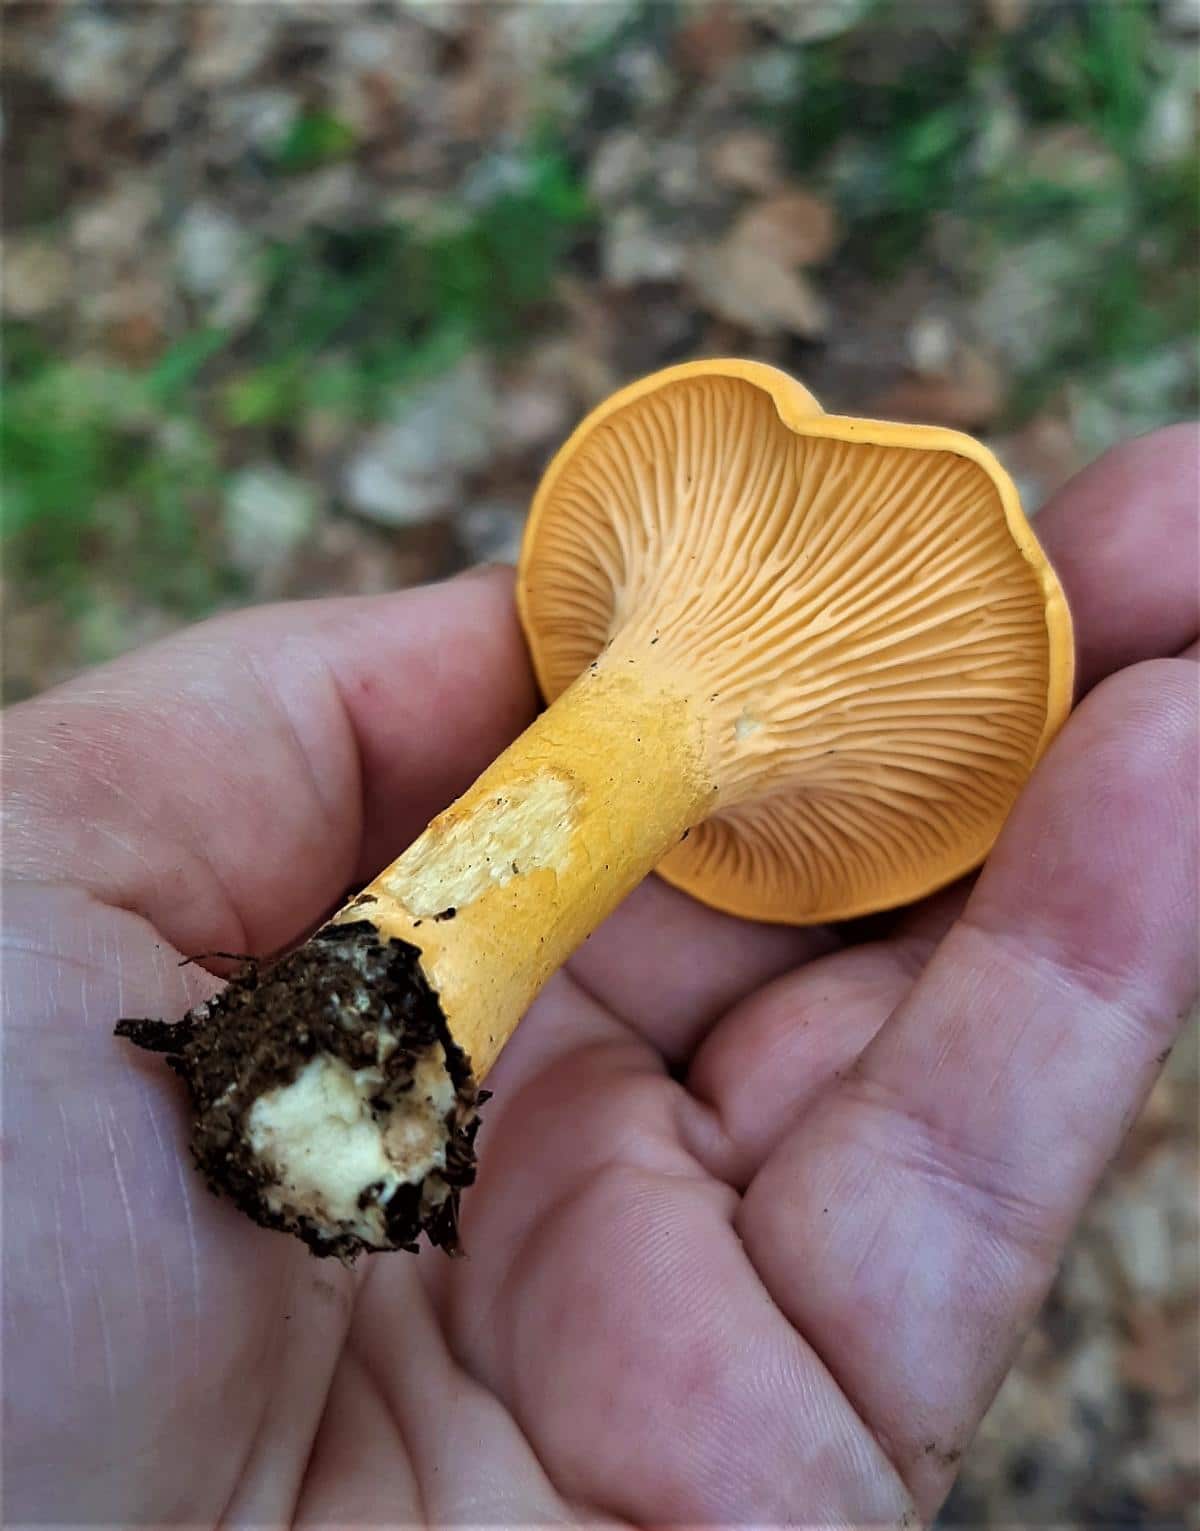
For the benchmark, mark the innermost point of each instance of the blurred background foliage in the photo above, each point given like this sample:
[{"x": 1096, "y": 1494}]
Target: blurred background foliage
[{"x": 300, "y": 297}]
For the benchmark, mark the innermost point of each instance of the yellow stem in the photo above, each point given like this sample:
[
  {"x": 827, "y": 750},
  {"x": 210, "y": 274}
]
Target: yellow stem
[{"x": 503, "y": 886}]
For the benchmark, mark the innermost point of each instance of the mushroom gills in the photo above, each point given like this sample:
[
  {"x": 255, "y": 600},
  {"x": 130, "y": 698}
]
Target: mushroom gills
[{"x": 875, "y": 645}]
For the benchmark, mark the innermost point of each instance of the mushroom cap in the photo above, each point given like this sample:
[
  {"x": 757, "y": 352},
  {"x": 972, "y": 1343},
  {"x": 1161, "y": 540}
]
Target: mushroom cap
[{"x": 860, "y": 609}]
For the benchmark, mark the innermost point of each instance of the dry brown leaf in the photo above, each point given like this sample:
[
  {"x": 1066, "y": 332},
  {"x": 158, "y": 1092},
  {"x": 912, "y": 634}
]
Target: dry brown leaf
[
  {"x": 937, "y": 401},
  {"x": 37, "y": 278},
  {"x": 1072, "y": 155},
  {"x": 745, "y": 159},
  {"x": 752, "y": 275},
  {"x": 1151, "y": 1358},
  {"x": 137, "y": 338},
  {"x": 967, "y": 397},
  {"x": 708, "y": 41},
  {"x": 1007, "y": 15},
  {"x": 797, "y": 227},
  {"x": 750, "y": 286}
]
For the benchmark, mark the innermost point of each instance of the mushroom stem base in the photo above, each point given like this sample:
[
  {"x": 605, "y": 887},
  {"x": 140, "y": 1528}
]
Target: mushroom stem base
[{"x": 330, "y": 1099}]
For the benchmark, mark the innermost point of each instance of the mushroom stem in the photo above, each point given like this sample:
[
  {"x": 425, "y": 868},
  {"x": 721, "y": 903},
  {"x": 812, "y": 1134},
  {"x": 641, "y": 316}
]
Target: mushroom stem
[
  {"x": 335, "y": 1093},
  {"x": 508, "y": 881}
]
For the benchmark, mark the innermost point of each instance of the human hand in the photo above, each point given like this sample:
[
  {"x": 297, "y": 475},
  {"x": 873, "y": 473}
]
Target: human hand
[{"x": 761, "y": 1213}]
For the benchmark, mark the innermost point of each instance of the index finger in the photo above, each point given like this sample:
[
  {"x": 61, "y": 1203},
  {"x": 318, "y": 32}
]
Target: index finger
[
  {"x": 231, "y": 781},
  {"x": 1124, "y": 538}
]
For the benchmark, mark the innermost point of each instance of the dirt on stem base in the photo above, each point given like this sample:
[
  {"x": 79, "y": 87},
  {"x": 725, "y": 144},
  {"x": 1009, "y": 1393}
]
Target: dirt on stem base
[{"x": 355, "y": 1005}]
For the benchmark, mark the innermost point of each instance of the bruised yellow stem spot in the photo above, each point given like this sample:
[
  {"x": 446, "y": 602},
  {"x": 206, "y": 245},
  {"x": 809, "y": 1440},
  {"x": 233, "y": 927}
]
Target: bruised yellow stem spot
[
  {"x": 526, "y": 828},
  {"x": 504, "y": 885}
]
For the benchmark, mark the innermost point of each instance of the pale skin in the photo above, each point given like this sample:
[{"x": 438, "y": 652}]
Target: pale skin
[{"x": 763, "y": 1213}]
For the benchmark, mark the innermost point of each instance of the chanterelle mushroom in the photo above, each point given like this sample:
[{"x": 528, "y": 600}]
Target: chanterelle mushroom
[{"x": 830, "y": 649}]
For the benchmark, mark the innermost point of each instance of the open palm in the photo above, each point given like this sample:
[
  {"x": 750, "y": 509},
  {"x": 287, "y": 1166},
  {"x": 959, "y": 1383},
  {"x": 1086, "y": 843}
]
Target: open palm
[{"x": 761, "y": 1213}]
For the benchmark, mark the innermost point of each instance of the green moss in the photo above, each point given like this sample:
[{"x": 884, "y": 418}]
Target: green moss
[
  {"x": 116, "y": 475},
  {"x": 98, "y": 475},
  {"x": 349, "y": 315},
  {"x": 894, "y": 120},
  {"x": 315, "y": 138}
]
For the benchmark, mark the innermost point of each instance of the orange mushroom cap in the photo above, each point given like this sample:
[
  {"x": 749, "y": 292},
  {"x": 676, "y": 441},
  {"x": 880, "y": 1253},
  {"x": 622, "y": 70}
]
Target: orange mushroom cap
[{"x": 860, "y": 610}]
